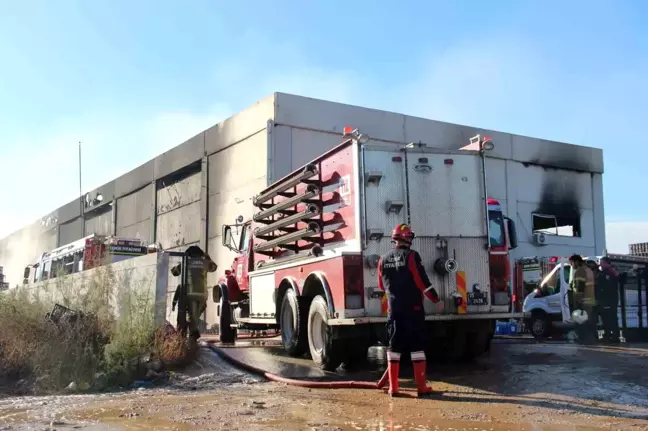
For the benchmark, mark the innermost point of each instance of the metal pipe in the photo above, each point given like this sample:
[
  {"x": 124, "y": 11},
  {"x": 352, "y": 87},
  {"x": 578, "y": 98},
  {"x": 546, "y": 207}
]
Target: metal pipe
[
  {"x": 311, "y": 191},
  {"x": 306, "y": 254},
  {"x": 363, "y": 197},
  {"x": 310, "y": 211},
  {"x": 308, "y": 172},
  {"x": 482, "y": 152},
  {"x": 312, "y": 229}
]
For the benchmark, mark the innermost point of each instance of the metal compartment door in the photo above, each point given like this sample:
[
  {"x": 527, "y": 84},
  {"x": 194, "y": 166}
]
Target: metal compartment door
[
  {"x": 447, "y": 213},
  {"x": 384, "y": 207}
]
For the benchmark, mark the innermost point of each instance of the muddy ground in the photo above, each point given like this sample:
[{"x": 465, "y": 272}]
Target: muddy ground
[{"x": 519, "y": 386}]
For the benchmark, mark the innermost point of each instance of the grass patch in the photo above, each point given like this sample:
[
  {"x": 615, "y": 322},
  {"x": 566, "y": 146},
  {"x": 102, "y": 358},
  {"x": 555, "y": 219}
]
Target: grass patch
[{"x": 109, "y": 341}]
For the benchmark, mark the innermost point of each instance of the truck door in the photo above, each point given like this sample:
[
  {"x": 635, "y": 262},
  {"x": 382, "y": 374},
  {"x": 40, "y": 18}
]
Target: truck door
[
  {"x": 447, "y": 210},
  {"x": 565, "y": 279}
]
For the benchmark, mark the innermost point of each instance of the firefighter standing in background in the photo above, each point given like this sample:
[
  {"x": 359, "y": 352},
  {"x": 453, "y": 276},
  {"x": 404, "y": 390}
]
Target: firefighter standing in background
[
  {"x": 607, "y": 288},
  {"x": 192, "y": 301},
  {"x": 582, "y": 297},
  {"x": 402, "y": 276}
]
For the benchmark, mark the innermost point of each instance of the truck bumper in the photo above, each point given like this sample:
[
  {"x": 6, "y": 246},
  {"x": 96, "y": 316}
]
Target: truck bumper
[{"x": 433, "y": 317}]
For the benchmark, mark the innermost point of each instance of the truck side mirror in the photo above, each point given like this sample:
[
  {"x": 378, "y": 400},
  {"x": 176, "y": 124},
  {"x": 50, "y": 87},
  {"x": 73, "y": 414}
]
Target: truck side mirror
[
  {"x": 512, "y": 233},
  {"x": 26, "y": 273},
  {"x": 228, "y": 238}
]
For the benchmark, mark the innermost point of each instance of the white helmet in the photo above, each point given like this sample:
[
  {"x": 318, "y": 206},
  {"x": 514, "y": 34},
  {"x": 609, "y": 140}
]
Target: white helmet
[{"x": 579, "y": 316}]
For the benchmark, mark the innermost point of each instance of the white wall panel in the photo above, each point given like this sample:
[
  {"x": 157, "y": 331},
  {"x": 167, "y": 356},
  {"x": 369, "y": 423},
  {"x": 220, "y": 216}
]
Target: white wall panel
[
  {"x": 135, "y": 207},
  {"x": 183, "y": 192},
  {"x": 327, "y": 116},
  {"x": 179, "y": 227},
  {"x": 238, "y": 164}
]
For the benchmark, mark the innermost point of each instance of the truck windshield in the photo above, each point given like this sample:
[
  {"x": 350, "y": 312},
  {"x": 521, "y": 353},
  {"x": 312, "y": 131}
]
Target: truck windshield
[{"x": 496, "y": 227}]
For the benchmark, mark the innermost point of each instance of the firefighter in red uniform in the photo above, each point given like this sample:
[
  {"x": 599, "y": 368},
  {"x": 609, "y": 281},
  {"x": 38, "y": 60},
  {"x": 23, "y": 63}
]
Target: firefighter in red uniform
[{"x": 402, "y": 276}]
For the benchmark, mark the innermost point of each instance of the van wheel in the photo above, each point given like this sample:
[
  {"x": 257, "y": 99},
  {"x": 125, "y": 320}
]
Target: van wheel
[
  {"x": 292, "y": 324},
  {"x": 326, "y": 352},
  {"x": 539, "y": 325}
]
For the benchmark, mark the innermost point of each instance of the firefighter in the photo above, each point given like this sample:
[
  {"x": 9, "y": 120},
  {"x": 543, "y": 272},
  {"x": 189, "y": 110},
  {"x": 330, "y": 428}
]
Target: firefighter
[
  {"x": 582, "y": 297},
  {"x": 192, "y": 301},
  {"x": 607, "y": 287},
  {"x": 403, "y": 279}
]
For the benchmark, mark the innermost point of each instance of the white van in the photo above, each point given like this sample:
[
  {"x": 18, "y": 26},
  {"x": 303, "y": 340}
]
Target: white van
[{"x": 548, "y": 304}]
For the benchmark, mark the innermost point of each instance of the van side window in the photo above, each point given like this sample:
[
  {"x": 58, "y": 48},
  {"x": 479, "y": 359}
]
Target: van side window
[{"x": 46, "y": 270}]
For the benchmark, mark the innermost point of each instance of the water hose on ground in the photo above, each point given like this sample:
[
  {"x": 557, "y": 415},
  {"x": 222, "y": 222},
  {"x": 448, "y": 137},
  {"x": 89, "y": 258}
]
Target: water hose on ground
[{"x": 348, "y": 384}]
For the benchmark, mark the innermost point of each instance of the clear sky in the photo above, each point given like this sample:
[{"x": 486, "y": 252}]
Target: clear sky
[{"x": 132, "y": 79}]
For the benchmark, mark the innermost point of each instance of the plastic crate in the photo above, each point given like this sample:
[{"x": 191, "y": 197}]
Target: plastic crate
[{"x": 506, "y": 328}]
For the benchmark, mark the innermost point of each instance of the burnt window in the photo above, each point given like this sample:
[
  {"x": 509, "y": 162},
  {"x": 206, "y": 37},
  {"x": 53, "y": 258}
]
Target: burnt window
[{"x": 557, "y": 225}]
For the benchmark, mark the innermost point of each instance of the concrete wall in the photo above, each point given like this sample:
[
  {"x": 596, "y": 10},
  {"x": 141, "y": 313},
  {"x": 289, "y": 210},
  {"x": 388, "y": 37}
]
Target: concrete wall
[
  {"x": 185, "y": 195},
  {"x": 126, "y": 280}
]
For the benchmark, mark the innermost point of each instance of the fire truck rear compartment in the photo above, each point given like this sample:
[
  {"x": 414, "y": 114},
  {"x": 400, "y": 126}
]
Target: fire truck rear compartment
[{"x": 441, "y": 195}]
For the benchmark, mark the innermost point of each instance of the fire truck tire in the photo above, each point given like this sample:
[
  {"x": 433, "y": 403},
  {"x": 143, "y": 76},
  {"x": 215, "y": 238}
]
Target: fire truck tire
[
  {"x": 292, "y": 324},
  {"x": 356, "y": 353},
  {"x": 226, "y": 332},
  {"x": 477, "y": 343},
  {"x": 326, "y": 351}
]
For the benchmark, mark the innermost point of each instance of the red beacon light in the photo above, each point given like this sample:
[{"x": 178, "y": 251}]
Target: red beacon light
[
  {"x": 354, "y": 133},
  {"x": 554, "y": 259},
  {"x": 348, "y": 130},
  {"x": 492, "y": 201}
]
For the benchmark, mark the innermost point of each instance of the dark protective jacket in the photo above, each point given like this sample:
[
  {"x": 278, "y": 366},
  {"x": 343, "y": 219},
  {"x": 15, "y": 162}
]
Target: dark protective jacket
[
  {"x": 402, "y": 276},
  {"x": 607, "y": 288}
]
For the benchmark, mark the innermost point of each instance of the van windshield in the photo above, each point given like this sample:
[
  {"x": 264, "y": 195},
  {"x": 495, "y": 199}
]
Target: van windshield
[{"x": 551, "y": 283}]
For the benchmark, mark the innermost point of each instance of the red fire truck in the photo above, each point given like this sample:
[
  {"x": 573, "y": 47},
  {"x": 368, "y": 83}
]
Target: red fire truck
[
  {"x": 307, "y": 261},
  {"x": 80, "y": 255}
]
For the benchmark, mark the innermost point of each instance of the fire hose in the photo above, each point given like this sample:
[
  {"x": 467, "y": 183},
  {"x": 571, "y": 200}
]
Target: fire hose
[{"x": 348, "y": 384}]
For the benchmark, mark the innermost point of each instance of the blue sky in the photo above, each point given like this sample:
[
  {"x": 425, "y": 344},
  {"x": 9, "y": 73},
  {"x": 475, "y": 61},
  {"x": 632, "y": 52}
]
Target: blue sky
[{"x": 133, "y": 79}]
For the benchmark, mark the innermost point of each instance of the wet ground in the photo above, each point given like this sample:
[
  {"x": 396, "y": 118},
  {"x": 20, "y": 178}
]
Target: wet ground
[{"x": 521, "y": 385}]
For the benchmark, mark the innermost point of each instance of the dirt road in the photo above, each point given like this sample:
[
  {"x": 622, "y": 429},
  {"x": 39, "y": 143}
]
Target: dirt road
[{"x": 524, "y": 386}]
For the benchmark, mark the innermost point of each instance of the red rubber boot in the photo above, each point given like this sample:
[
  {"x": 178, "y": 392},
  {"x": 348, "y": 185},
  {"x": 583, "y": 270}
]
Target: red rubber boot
[
  {"x": 418, "y": 361},
  {"x": 393, "y": 369}
]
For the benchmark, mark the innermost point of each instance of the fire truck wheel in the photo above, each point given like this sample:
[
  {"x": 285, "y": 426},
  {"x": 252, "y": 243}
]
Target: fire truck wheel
[
  {"x": 477, "y": 343},
  {"x": 227, "y": 333},
  {"x": 292, "y": 324},
  {"x": 326, "y": 351},
  {"x": 356, "y": 353}
]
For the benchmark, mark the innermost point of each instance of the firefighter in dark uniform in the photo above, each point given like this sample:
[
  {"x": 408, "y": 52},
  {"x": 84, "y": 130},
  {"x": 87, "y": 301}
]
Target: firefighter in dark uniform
[
  {"x": 192, "y": 299},
  {"x": 607, "y": 289},
  {"x": 402, "y": 276}
]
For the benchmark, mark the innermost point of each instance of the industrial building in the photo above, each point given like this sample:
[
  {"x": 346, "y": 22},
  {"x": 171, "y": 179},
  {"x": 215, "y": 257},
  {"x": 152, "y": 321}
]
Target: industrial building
[
  {"x": 553, "y": 191},
  {"x": 639, "y": 249}
]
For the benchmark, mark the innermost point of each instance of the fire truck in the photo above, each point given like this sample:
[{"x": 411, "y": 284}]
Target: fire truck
[
  {"x": 85, "y": 253},
  {"x": 306, "y": 263}
]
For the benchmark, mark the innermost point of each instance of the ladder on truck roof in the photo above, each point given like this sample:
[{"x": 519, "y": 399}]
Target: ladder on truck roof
[{"x": 291, "y": 212}]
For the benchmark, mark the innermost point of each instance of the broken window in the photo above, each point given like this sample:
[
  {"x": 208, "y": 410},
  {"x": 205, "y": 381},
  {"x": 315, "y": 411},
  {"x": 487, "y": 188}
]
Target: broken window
[{"x": 557, "y": 225}]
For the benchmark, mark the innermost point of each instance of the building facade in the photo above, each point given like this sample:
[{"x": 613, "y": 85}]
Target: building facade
[{"x": 553, "y": 191}]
